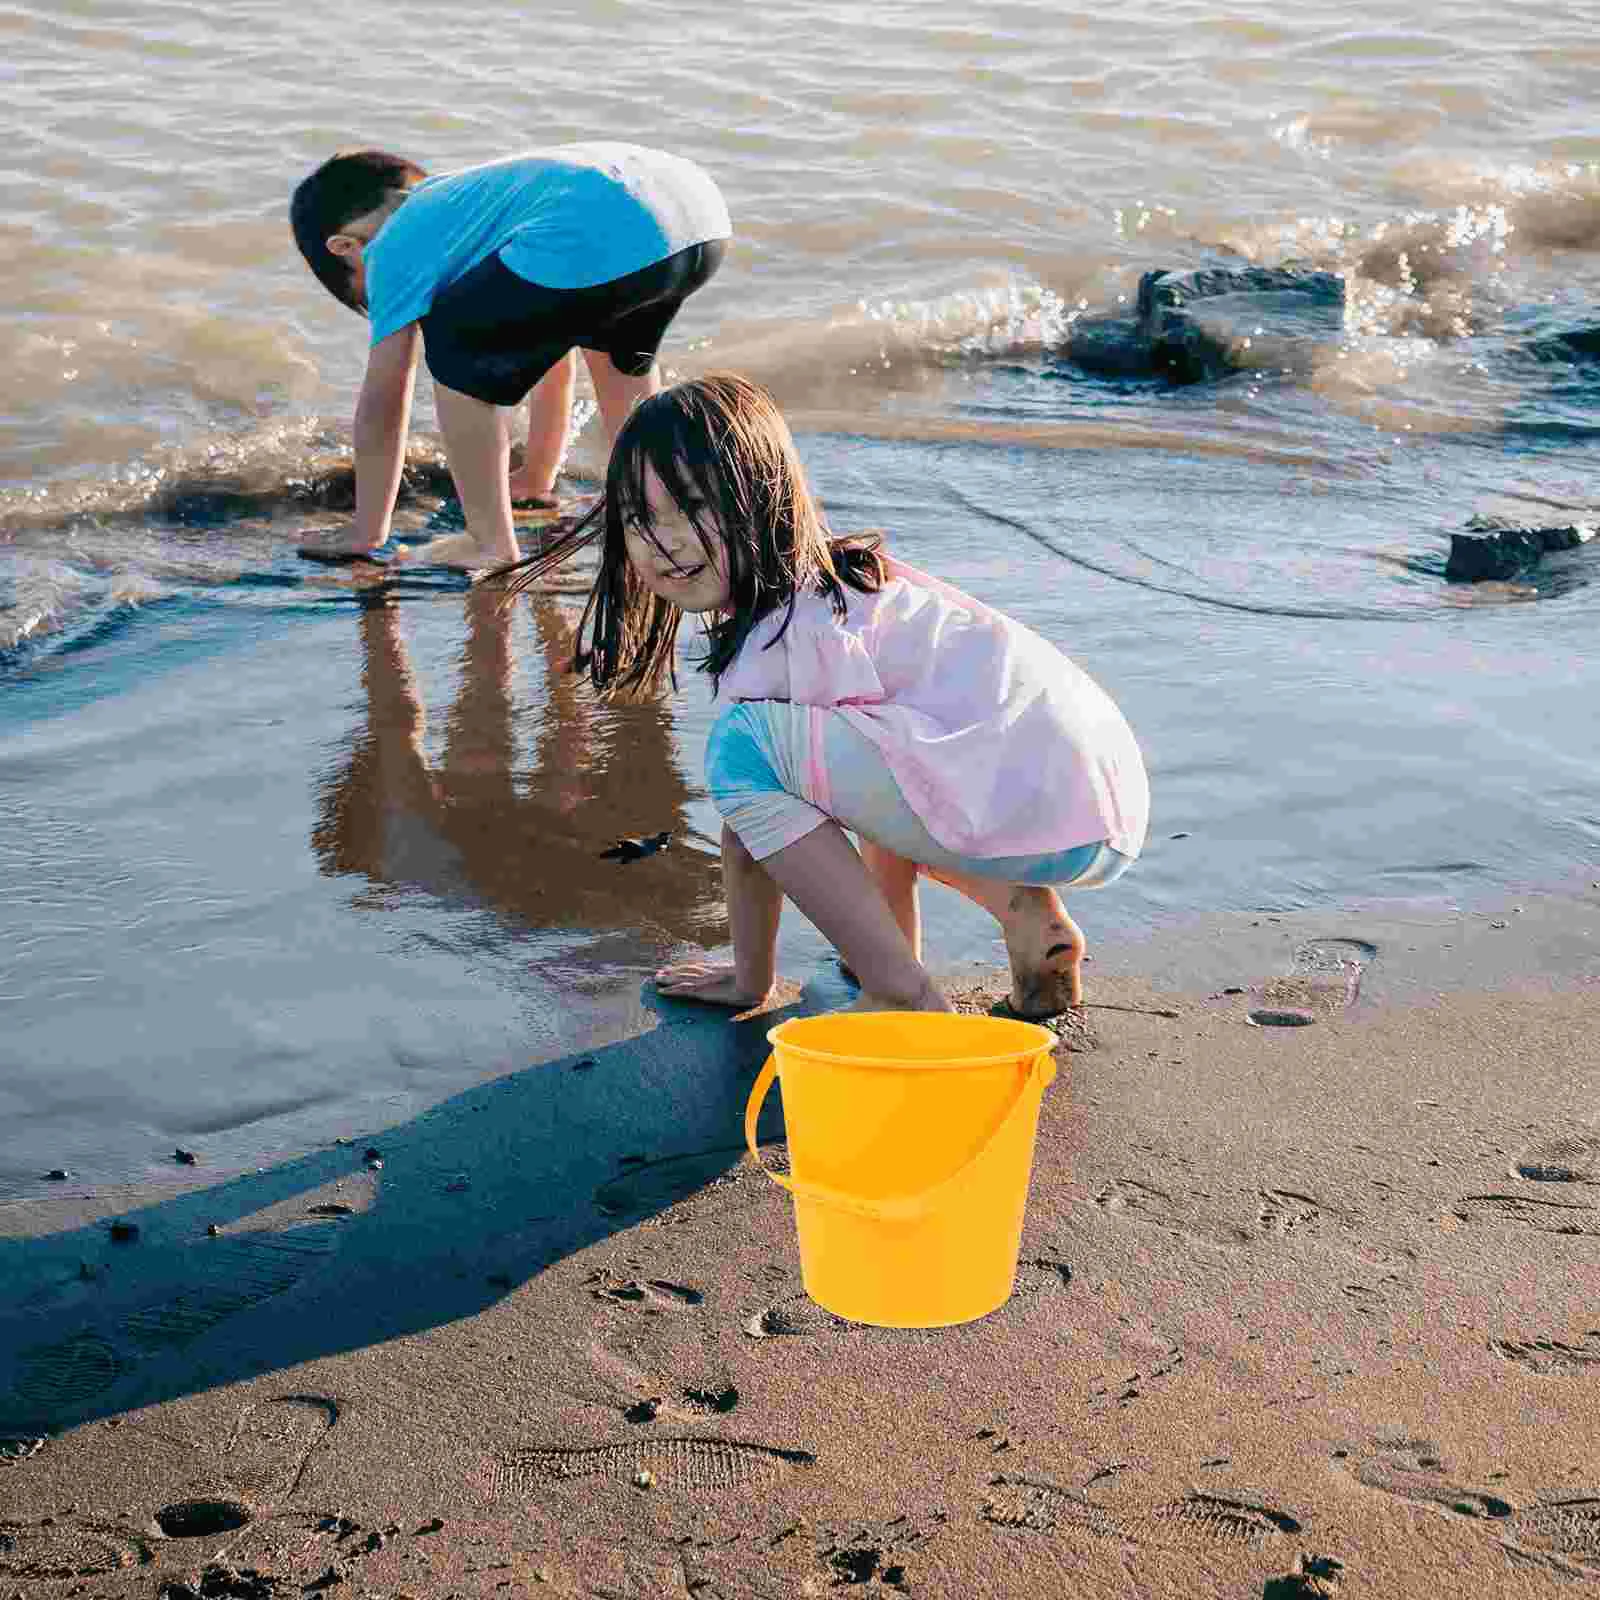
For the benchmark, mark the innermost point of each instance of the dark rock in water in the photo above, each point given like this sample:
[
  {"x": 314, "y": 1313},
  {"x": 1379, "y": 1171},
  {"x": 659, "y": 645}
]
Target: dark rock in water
[
  {"x": 1193, "y": 326},
  {"x": 636, "y": 849},
  {"x": 1110, "y": 347},
  {"x": 1492, "y": 549},
  {"x": 124, "y": 1232},
  {"x": 58, "y": 1174},
  {"x": 184, "y": 1158},
  {"x": 210, "y": 500},
  {"x": 1578, "y": 344},
  {"x": 332, "y": 485}
]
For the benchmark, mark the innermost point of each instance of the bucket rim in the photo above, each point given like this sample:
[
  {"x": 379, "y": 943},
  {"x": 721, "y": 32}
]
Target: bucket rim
[{"x": 1043, "y": 1041}]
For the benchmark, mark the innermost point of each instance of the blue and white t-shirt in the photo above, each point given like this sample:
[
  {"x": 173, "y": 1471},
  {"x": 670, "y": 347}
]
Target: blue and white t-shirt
[{"x": 568, "y": 217}]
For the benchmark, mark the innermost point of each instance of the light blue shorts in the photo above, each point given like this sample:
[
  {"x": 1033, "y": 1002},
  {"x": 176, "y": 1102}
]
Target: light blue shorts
[{"x": 757, "y": 761}]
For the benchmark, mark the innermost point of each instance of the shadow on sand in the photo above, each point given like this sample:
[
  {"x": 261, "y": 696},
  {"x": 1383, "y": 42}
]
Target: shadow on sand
[
  {"x": 326, "y": 1253},
  {"x": 456, "y": 1208}
]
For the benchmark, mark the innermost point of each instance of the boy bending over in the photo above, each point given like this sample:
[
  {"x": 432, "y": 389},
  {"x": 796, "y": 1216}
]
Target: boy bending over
[{"x": 497, "y": 274}]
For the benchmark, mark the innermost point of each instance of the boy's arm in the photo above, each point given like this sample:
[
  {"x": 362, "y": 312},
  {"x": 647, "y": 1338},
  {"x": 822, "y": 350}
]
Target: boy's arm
[{"x": 383, "y": 413}]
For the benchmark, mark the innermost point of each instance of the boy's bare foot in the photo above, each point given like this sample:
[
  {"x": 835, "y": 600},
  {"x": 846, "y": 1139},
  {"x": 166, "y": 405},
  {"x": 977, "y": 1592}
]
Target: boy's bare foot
[
  {"x": 1046, "y": 949},
  {"x": 528, "y": 492},
  {"x": 713, "y": 983},
  {"x": 550, "y": 504}
]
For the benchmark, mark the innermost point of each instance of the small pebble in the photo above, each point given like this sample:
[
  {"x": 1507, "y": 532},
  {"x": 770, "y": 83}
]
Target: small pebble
[
  {"x": 432, "y": 1527},
  {"x": 1500, "y": 923},
  {"x": 644, "y": 1478}
]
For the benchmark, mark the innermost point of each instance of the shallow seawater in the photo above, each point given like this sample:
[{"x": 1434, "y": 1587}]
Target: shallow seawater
[{"x": 284, "y": 855}]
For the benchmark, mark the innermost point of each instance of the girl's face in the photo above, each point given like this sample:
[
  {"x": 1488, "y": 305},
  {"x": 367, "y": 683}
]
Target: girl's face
[{"x": 670, "y": 560}]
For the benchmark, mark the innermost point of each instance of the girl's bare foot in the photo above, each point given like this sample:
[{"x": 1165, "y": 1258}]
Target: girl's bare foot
[
  {"x": 713, "y": 983},
  {"x": 461, "y": 552},
  {"x": 1046, "y": 948},
  {"x": 930, "y": 997}
]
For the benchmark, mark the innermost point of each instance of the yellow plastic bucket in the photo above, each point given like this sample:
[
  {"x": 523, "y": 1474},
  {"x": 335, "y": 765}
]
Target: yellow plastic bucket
[{"x": 910, "y": 1147}]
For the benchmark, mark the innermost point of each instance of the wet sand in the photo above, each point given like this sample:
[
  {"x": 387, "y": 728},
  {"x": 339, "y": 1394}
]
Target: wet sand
[{"x": 1301, "y": 1310}]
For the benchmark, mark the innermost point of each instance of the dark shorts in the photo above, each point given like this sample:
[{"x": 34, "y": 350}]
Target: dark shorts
[{"x": 493, "y": 335}]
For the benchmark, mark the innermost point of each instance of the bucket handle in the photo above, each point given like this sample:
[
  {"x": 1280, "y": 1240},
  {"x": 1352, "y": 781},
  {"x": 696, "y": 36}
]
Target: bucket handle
[{"x": 895, "y": 1208}]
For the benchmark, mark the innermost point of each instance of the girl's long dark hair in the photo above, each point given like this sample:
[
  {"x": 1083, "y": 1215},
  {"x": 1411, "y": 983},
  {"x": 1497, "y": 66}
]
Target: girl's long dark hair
[{"x": 720, "y": 448}]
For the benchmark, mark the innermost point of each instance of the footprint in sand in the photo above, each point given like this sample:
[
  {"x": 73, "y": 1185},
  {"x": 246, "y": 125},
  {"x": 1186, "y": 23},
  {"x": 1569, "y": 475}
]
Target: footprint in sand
[
  {"x": 235, "y": 1272},
  {"x": 652, "y": 1294},
  {"x": 796, "y": 1316},
  {"x": 1283, "y": 1212},
  {"x": 1564, "y": 1528},
  {"x": 649, "y": 1187},
  {"x": 700, "y": 1387},
  {"x": 1194, "y": 1522},
  {"x": 642, "y": 1398},
  {"x": 264, "y": 1456},
  {"x": 1547, "y": 1216},
  {"x": 1563, "y": 1534},
  {"x": 1324, "y": 977},
  {"x": 1549, "y": 1358},
  {"x": 52, "y": 1380},
  {"x": 671, "y": 1463},
  {"x": 51, "y": 1383},
  {"x": 1143, "y": 1202},
  {"x": 68, "y": 1550},
  {"x": 1313, "y": 1578},
  {"x": 1288, "y": 1214},
  {"x": 877, "y": 1553},
  {"x": 1567, "y": 1158},
  {"x": 272, "y": 1441},
  {"x": 1410, "y": 1469}
]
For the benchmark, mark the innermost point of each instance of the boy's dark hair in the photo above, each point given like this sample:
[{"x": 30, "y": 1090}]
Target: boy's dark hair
[
  {"x": 347, "y": 185},
  {"x": 720, "y": 448}
]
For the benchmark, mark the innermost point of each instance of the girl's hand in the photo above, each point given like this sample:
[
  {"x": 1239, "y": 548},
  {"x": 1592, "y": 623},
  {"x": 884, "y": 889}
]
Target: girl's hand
[{"x": 712, "y": 983}]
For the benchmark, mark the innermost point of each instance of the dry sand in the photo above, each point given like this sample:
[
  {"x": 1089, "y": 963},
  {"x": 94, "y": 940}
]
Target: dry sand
[{"x": 1302, "y": 1310}]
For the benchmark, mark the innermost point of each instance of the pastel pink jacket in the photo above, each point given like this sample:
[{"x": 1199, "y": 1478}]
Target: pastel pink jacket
[{"x": 999, "y": 743}]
